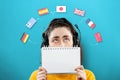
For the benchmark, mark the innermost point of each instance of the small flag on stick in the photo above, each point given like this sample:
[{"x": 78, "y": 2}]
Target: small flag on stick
[
  {"x": 60, "y": 8},
  {"x": 31, "y": 22},
  {"x": 79, "y": 12},
  {"x": 90, "y": 23},
  {"x": 24, "y": 37},
  {"x": 98, "y": 37},
  {"x": 43, "y": 11}
]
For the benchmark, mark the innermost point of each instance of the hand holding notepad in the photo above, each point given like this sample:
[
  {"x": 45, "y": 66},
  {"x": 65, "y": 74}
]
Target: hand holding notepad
[{"x": 60, "y": 59}]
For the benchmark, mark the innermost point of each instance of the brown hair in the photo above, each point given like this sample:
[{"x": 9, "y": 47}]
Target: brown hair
[{"x": 60, "y": 22}]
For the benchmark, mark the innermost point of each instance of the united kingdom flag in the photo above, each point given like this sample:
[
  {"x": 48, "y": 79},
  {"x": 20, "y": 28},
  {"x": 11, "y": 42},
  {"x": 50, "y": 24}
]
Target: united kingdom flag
[{"x": 79, "y": 12}]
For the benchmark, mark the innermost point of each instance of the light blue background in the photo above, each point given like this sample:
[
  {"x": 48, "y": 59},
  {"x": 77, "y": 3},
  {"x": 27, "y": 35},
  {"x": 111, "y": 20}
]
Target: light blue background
[{"x": 18, "y": 60}]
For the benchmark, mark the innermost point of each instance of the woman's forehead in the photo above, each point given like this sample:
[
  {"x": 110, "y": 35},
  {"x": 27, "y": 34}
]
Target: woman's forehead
[{"x": 60, "y": 31}]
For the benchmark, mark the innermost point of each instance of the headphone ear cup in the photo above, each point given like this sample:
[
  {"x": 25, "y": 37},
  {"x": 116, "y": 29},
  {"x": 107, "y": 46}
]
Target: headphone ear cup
[
  {"x": 45, "y": 40},
  {"x": 76, "y": 40}
]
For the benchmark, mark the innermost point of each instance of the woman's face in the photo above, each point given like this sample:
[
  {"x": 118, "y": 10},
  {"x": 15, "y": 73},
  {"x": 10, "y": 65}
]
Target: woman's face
[{"x": 61, "y": 37}]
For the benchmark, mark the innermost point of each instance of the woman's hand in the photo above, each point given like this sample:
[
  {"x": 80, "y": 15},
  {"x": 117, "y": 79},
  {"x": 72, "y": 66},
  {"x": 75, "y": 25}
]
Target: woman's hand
[
  {"x": 42, "y": 74},
  {"x": 81, "y": 75}
]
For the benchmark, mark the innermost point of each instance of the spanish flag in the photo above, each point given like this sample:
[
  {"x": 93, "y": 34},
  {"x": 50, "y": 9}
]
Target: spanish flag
[
  {"x": 24, "y": 37},
  {"x": 43, "y": 11}
]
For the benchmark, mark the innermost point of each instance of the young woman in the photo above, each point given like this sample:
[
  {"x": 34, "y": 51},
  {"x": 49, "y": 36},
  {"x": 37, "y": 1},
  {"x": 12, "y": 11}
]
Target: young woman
[{"x": 61, "y": 33}]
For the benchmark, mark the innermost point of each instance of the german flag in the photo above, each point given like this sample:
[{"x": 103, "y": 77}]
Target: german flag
[
  {"x": 24, "y": 37},
  {"x": 43, "y": 11}
]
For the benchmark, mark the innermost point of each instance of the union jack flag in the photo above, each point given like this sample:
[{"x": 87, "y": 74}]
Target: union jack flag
[{"x": 79, "y": 12}]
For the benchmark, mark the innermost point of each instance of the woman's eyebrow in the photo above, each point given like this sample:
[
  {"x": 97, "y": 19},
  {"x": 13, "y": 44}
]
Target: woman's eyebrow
[
  {"x": 56, "y": 37},
  {"x": 65, "y": 36}
]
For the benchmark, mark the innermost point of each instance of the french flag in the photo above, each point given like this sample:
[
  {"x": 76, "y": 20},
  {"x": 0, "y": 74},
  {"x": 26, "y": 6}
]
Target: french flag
[{"x": 90, "y": 23}]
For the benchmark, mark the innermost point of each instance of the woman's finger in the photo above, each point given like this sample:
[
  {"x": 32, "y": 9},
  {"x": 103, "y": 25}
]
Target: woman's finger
[
  {"x": 79, "y": 67},
  {"x": 43, "y": 75},
  {"x": 41, "y": 72},
  {"x": 42, "y": 69}
]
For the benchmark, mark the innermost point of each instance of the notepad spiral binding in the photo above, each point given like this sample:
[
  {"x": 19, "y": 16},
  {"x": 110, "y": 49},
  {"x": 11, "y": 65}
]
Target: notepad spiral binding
[{"x": 59, "y": 48}]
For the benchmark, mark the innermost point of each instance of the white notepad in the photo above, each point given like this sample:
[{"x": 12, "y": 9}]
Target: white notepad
[{"x": 60, "y": 59}]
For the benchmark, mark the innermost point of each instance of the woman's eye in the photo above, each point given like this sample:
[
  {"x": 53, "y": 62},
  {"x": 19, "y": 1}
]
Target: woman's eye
[
  {"x": 55, "y": 40},
  {"x": 66, "y": 39}
]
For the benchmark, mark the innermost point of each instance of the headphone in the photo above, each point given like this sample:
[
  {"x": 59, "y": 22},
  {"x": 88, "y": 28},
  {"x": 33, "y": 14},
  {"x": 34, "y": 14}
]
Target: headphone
[
  {"x": 76, "y": 38},
  {"x": 45, "y": 40}
]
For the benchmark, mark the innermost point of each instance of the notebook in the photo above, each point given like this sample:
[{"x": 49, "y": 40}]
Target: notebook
[{"x": 60, "y": 59}]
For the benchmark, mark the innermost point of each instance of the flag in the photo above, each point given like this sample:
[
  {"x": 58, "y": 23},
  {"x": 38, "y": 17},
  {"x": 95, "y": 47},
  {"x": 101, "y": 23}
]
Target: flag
[
  {"x": 98, "y": 37},
  {"x": 79, "y": 12},
  {"x": 31, "y": 22},
  {"x": 24, "y": 37},
  {"x": 43, "y": 11},
  {"x": 60, "y": 8},
  {"x": 90, "y": 23}
]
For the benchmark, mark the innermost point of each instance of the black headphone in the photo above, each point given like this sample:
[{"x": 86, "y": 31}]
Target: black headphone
[
  {"x": 45, "y": 40},
  {"x": 76, "y": 38}
]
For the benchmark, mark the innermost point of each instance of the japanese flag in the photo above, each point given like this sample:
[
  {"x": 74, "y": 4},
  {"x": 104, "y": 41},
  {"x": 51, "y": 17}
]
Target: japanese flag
[{"x": 60, "y": 8}]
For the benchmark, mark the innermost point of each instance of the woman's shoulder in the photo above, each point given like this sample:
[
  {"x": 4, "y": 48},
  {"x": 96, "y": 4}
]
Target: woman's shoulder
[
  {"x": 89, "y": 74},
  {"x": 33, "y": 75}
]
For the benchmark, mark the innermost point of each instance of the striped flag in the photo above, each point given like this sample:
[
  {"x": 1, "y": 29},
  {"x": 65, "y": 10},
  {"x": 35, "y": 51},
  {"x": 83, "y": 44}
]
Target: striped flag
[
  {"x": 24, "y": 37},
  {"x": 90, "y": 23},
  {"x": 79, "y": 12},
  {"x": 43, "y": 11},
  {"x": 31, "y": 22},
  {"x": 98, "y": 37},
  {"x": 60, "y": 8}
]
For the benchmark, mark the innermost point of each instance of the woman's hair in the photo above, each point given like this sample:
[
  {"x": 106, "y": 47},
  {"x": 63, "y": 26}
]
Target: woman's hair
[{"x": 60, "y": 22}]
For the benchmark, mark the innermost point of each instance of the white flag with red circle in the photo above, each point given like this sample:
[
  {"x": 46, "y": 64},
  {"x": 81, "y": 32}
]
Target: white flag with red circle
[{"x": 60, "y": 8}]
